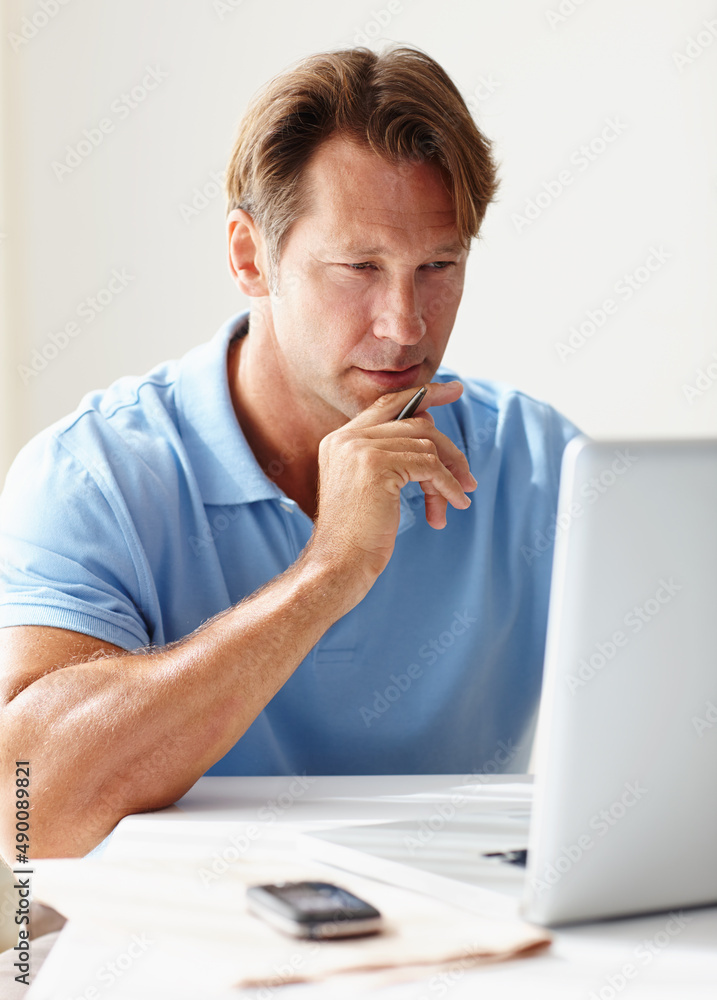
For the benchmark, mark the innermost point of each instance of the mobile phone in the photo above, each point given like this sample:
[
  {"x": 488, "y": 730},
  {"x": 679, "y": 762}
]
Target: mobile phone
[{"x": 313, "y": 910}]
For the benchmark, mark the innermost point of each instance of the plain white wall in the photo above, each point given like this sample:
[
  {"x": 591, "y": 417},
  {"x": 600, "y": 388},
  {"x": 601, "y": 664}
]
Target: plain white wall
[{"x": 635, "y": 83}]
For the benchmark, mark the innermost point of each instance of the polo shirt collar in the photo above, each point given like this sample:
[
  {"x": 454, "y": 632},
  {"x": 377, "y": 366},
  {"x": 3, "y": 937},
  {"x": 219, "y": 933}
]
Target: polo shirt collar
[{"x": 225, "y": 467}]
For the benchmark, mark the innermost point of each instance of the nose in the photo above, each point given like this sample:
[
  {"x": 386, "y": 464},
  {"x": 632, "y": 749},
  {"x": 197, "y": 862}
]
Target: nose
[{"x": 399, "y": 315}]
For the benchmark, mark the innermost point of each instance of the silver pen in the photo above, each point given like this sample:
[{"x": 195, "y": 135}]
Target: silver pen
[{"x": 412, "y": 405}]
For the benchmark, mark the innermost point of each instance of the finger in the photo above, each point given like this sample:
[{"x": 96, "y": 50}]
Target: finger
[
  {"x": 426, "y": 468},
  {"x": 448, "y": 452},
  {"x": 388, "y": 406},
  {"x": 454, "y": 460},
  {"x": 436, "y": 507},
  {"x": 416, "y": 460}
]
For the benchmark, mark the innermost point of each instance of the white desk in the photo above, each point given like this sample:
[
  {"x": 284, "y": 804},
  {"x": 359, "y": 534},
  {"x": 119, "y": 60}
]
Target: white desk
[{"x": 580, "y": 963}]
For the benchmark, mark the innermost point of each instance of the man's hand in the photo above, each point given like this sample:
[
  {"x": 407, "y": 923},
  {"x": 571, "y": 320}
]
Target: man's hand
[{"x": 362, "y": 467}]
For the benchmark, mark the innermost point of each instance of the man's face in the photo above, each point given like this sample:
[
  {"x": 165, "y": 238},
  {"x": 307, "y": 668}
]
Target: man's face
[{"x": 369, "y": 280}]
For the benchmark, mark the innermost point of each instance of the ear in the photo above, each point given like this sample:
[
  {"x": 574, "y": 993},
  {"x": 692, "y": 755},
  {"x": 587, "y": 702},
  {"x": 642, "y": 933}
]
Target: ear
[{"x": 248, "y": 262}]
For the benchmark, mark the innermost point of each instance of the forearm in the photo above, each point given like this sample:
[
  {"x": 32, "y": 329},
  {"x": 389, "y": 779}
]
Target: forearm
[{"x": 133, "y": 732}]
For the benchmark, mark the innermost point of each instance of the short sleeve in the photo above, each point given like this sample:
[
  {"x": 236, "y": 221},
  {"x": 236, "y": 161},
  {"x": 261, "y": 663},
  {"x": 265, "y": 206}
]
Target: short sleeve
[{"x": 64, "y": 556}]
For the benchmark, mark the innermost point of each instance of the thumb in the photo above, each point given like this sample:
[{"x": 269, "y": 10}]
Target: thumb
[{"x": 388, "y": 406}]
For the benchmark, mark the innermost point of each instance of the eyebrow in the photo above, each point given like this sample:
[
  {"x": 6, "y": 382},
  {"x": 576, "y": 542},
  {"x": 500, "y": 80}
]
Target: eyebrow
[{"x": 361, "y": 250}]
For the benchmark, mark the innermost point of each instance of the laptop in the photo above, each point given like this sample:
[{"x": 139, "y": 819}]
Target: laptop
[{"x": 621, "y": 817}]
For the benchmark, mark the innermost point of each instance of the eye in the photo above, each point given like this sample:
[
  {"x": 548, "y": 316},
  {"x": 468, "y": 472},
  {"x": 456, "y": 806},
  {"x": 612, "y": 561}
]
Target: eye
[{"x": 436, "y": 265}]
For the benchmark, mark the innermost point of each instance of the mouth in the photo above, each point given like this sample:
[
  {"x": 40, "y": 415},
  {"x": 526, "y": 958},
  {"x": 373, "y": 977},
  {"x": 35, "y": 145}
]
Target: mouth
[{"x": 393, "y": 378}]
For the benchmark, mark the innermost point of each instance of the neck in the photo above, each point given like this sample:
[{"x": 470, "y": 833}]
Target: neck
[{"x": 283, "y": 434}]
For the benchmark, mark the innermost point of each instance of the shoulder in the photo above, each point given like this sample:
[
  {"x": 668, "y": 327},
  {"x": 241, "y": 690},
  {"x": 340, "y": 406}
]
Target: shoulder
[
  {"x": 85, "y": 465},
  {"x": 491, "y": 402},
  {"x": 168, "y": 435},
  {"x": 127, "y": 417},
  {"x": 96, "y": 473},
  {"x": 134, "y": 423}
]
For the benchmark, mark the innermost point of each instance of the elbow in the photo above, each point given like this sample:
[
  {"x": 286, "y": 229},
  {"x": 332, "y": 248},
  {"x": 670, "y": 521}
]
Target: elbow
[
  {"x": 35, "y": 821},
  {"x": 43, "y": 837}
]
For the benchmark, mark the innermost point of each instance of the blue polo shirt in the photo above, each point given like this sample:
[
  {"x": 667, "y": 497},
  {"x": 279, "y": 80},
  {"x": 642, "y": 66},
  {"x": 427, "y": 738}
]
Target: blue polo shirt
[{"x": 145, "y": 512}]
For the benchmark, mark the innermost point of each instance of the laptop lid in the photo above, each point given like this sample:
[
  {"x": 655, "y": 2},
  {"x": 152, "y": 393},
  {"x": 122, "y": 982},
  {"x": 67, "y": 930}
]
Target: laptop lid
[{"x": 625, "y": 804}]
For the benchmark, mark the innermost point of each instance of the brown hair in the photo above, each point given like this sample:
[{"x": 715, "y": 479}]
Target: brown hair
[{"x": 400, "y": 103}]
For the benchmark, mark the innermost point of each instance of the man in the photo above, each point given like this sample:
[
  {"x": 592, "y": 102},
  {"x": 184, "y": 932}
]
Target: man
[{"x": 225, "y": 566}]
